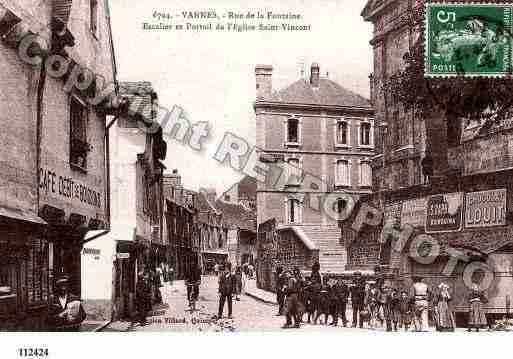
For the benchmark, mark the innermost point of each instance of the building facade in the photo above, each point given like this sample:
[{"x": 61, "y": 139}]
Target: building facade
[
  {"x": 449, "y": 179},
  {"x": 181, "y": 226},
  {"x": 53, "y": 179},
  {"x": 238, "y": 205},
  {"x": 135, "y": 242},
  {"x": 318, "y": 140}
]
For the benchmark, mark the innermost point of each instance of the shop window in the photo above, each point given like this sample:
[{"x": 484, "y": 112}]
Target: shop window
[
  {"x": 342, "y": 133},
  {"x": 79, "y": 148},
  {"x": 342, "y": 173},
  {"x": 293, "y": 130},
  {"x": 93, "y": 5}
]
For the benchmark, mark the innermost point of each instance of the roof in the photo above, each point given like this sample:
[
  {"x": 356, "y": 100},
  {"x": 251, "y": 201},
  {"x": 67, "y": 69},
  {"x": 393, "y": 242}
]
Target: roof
[
  {"x": 204, "y": 205},
  {"x": 301, "y": 235},
  {"x": 236, "y": 215},
  {"x": 140, "y": 95},
  {"x": 328, "y": 93},
  {"x": 247, "y": 187}
]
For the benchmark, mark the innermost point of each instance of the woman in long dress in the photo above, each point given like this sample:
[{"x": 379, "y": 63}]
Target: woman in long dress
[
  {"x": 476, "y": 315},
  {"x": 443, "y": 313}
]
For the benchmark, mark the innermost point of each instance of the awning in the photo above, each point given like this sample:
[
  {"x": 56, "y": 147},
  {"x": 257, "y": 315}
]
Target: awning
[
  {"x": 224, "y": 253},
  {"x": 92, "y": 235},
  {"x": 21, "y": 215}
]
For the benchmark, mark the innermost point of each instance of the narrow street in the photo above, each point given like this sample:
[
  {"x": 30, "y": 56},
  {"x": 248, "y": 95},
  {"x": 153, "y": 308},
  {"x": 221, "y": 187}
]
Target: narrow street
[{"x": 249, "y": 314}]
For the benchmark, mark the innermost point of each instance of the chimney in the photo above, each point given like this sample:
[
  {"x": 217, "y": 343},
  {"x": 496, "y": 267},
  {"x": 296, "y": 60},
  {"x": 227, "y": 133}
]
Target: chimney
[
  {"x": 264, "y": 84},
  {"x": 314, "y": 75}
]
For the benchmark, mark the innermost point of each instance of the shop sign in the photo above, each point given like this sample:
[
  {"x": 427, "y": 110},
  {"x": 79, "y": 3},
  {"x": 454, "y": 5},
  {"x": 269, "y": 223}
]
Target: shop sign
[
  {"x": 485, "y": 208},
  {"x": 444, "y": 212},
  {"x": 413, "y": 212},
  {"x": 65, "y": 187}
]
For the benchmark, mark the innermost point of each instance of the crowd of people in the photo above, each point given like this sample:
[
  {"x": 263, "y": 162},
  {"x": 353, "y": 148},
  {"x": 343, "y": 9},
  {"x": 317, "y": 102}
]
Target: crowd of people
[{"x": 375, "y": 304}]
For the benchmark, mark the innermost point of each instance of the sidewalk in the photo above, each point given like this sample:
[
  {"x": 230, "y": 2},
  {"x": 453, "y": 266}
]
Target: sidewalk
[{"x": 259, "y": 294}]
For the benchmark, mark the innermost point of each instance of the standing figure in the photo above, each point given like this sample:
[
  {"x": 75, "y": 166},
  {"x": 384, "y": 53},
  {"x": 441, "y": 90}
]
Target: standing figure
[
  {"x": 300, "y": 284},
  {"x": 291, "y": 301},
  {"x": 315, "y": 276},
  {"x": 374, "y": 301},
  {"x": 405, "y": 310},
  {"x": 143, "y": 297},
  {"x": 325, "y": 301},
  {"x": 238, "y": 283},
  {"x": 387, "y": 303},
  {"x": 341, "y": 293},
  {"x": 227, "y": 283},
  {"x": 193, "y": 281},
  {"x": 421, "y": 304},
  {"x": 476, "y": 315},
  {"x": 443, "y": 313},
  {"x": 281, "y": 281},
  {"x": 357, "y": 299}
]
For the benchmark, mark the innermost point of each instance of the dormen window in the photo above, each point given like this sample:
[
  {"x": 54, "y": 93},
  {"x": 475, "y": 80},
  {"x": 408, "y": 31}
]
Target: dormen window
[
  {"x": 79, "y": 147},
  {"x": 93, "y": 4},
  {"x": 342, "y": 133},
  {"x": 293, "y": 130},
  {"x": 365, "y": 174},
  {"x": 366, "y": 134},
  {"x": 294, "y": 208},
  {"x": 342, "y": 173}
]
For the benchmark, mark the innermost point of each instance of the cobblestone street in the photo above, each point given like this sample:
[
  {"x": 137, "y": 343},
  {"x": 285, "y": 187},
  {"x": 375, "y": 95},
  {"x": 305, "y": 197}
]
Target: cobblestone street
[{"x": 249, "y": 314}]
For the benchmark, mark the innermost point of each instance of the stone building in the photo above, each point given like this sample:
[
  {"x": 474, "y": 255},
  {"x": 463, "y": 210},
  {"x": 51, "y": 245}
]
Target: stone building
[
  {"x": 53, "y": 161},
  {"x": 212, "y": 231},
  {"x": 317, "y": 138},
  {"x": 181, "y": 226},
  {"x": 446, "y": 178},
  {"x": 135, "y": 203}
]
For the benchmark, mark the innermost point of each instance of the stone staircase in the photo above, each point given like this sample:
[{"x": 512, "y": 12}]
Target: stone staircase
[{"x": 332, "y": 254}]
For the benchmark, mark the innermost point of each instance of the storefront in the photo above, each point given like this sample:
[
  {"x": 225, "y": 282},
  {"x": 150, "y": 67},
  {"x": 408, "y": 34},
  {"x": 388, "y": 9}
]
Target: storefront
[{"x": 24, "y": 271}]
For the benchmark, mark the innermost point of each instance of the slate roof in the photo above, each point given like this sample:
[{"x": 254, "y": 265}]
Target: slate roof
[
  {"x": 328, "y": 93},
  {"x": 140, "y": 96},
  {"x": 236, "y": 215}
]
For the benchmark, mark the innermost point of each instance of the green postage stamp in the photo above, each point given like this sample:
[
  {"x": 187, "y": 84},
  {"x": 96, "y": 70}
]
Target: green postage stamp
[{"x": 472, "y": 39}]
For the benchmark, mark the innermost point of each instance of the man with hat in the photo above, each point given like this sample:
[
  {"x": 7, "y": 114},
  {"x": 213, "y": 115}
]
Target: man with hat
[
  {"x": 66, "y": 311},
  {"x": 357, "y": 298}
]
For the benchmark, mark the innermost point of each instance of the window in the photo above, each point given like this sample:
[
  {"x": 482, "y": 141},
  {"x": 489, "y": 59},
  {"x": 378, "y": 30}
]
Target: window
[
  {"x": 294, "y": 208},
  {"x": 340, "y": 206},
  {"x": 365, "y": 134},
  {"x": 78, "y": 138},
  {"x": 227, "y": 197},
  {"x": 93, "y": 4},
  {"x": 342, "y": 133},
  {"x": 293, "y": 171},
  {"x": 342, "y": 173},
  {"x": 365, "y": 174},
  {"x": 293, "y": 130}
]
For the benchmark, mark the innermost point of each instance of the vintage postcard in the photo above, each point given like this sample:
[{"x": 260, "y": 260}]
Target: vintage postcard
[{"x": 336, "y": 166}]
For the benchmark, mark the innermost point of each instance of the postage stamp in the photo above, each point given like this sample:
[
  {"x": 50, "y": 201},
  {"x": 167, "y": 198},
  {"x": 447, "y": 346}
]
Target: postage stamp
[{"x": 468, "y": 39}]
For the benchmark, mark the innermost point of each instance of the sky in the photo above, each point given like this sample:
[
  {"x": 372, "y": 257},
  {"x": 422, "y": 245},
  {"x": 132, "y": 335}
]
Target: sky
[{"x": 211, "y": 74}]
